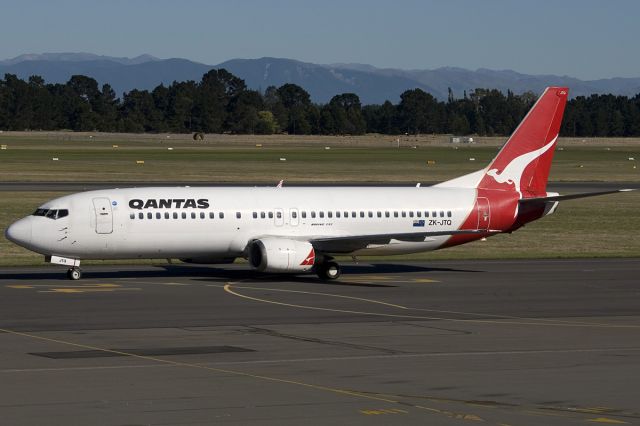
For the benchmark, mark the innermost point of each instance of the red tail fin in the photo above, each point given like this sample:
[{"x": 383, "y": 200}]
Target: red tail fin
[{"x": 524, "y": 161}]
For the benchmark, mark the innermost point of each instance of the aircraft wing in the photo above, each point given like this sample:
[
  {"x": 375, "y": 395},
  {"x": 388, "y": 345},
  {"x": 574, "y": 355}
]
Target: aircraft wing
[{"x": 347, "y": 244}]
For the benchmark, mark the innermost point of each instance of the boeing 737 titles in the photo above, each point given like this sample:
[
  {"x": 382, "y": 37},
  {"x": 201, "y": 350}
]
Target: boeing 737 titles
[{"x": 299, "y": 229}]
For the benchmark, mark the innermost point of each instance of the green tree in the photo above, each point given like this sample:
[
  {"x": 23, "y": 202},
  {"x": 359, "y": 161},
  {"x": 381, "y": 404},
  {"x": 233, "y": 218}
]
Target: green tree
[
  {"x": 267, "y": 123},
  {"x": 419, "y": 112},
  {"x": 243, "y": 112},
  {"x": 297, "y": 103}
]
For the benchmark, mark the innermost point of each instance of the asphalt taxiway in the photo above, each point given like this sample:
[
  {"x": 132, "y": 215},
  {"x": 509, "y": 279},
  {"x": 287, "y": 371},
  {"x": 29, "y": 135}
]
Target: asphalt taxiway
[{"x": 502, "y": 342}]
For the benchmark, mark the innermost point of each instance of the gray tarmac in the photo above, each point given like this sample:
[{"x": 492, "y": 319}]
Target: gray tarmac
[{"x": 531, "y": 342}]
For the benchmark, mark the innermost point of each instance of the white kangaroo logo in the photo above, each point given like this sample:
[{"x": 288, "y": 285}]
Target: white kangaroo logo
[{"x": 512, "y": 173}]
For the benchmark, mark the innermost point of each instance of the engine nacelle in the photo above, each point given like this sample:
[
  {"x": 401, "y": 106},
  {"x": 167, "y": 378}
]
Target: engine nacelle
[{"x": 273, "y": 254}]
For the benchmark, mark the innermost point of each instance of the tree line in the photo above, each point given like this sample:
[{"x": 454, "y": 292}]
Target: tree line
[{"x": 221, "y": 102}]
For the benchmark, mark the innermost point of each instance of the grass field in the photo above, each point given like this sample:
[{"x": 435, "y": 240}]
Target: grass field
[
  {"x": 31, "y": 160},
  {"x": 606, "y": 226}
]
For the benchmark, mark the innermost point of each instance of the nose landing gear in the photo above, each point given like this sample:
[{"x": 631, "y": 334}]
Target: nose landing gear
[{"x": 74, "y": 274}]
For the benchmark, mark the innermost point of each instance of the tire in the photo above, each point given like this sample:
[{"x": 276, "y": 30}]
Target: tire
[
  {"x": 329, "y": 271},
  {"x": 74, "y": 274}
]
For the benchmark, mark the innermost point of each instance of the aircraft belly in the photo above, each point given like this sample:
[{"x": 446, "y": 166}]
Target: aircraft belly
[{"x": 156, "y": 245}]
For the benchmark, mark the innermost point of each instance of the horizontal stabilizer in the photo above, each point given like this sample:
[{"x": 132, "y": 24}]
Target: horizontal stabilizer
[{"x": 570, "y": 196}]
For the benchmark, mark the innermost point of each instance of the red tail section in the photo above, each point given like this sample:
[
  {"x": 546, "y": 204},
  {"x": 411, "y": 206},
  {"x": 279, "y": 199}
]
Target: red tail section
[{"x": 523, "y": 163}]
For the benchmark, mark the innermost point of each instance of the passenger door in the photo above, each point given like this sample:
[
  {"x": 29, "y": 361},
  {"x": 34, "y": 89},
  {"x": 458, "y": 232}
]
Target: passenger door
[{"x": 104, "y": 215}]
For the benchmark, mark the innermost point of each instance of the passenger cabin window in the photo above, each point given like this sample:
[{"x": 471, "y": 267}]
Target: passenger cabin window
[
  {"x": 387, "y": 214},
  {"x": 441, "y": 214},
  {"x": 238, "y": 215},
  {"x": 175, "y": 215},
  {"x": 279, "y": 214},
  {"x": 140, "y": 215},
  {"x": 321, "y": 214},
  {"x": 263, "y": 215},
  {"x": 304, "y": 214},
  {"x": 370, "y": 214},
  {"x": 270, "y": 215},
  {"x": 158, "y": 215},
  {"x": 221, "y": 215},
  {"x": 294, "y": 214},
  {"x": 338, "y": 214},
  {"x": 212, "y": 215},
  {"x": 329, "y": 214},
  {"x": 184, "y": 215},
  {"x": 149, "y": 215},
  {"x": 395, "y": 214},
  {"x": 313, "y": 215},
  {"x": 201, "y": 215},
  {"x": 361, "y": 214},
  {"x": 404, "y": 214},
  {"x": 419, "y": 214},
  {"x": 353, "y": 214},
  {"x": 255, "y": 215},
  {"x": 449, "y": 214},
  {"x": 132, "y": 216},
  {"x": 410, "y": 214}
]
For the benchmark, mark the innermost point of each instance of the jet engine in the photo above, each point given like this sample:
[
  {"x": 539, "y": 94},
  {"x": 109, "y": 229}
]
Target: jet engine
[{"x": 272, "y": 254}]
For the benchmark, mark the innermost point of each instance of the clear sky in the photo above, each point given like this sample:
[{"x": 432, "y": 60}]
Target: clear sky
[{"x": 582, "y": 38}]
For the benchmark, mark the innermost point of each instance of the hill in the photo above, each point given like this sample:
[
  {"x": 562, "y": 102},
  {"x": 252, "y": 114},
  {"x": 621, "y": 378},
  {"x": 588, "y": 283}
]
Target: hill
[{"x": 373, "y": 85}]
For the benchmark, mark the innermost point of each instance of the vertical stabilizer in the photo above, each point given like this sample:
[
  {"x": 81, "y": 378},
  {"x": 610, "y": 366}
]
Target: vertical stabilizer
[{"x": 524, "y": 162}]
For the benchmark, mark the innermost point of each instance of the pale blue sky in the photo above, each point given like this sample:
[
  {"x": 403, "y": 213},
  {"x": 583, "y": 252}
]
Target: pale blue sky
[{"x": 582, "y": 38}]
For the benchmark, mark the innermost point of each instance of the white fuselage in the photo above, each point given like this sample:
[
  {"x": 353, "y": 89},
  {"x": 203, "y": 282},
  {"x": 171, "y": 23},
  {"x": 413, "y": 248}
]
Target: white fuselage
[{"x": 221, "y": 221}]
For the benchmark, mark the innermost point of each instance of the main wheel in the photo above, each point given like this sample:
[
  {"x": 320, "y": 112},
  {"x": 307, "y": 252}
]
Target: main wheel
[
  {"x": 329, "y": 270},
  {"x": 74, "y": 274}
]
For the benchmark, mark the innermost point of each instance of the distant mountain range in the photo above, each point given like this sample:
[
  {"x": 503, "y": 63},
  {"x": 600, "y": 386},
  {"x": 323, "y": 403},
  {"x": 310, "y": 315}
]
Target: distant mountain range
[{"x": 371, "y": 84}]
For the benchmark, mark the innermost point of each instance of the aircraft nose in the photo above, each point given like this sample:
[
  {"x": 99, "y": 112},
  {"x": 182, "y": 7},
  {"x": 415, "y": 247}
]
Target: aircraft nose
[{"x": 20, "y": 231}]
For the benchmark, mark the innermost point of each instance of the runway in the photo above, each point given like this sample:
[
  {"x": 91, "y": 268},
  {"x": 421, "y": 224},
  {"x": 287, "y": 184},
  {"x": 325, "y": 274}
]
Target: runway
[{"x": 531, "y": 342}]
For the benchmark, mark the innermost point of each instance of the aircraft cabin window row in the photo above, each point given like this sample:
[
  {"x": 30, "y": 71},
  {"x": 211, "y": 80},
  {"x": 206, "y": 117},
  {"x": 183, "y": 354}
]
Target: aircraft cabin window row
[
  {"x": 176, "y": 215},
  {"x": 263, "y": 215}
]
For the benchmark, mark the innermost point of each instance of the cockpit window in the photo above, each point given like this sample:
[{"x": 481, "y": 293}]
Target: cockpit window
[{"x": 51, "y": 213}]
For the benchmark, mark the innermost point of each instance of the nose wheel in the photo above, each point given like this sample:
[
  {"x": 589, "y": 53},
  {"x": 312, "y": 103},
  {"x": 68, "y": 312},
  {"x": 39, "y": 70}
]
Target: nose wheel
[{"x": 74, "y": 274}]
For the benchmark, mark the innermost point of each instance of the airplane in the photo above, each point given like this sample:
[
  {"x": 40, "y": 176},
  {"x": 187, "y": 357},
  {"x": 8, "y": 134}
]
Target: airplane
[{"x": 301, "y": 229}]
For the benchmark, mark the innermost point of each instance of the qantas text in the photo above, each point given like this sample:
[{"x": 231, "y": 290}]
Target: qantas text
[{"x": 168, "y": 203}]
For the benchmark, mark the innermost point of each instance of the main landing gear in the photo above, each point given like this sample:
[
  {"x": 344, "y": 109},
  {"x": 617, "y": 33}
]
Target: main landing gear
[
  {"x": 74, "y": 274},
  {"x": 328, "y": 269}
]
